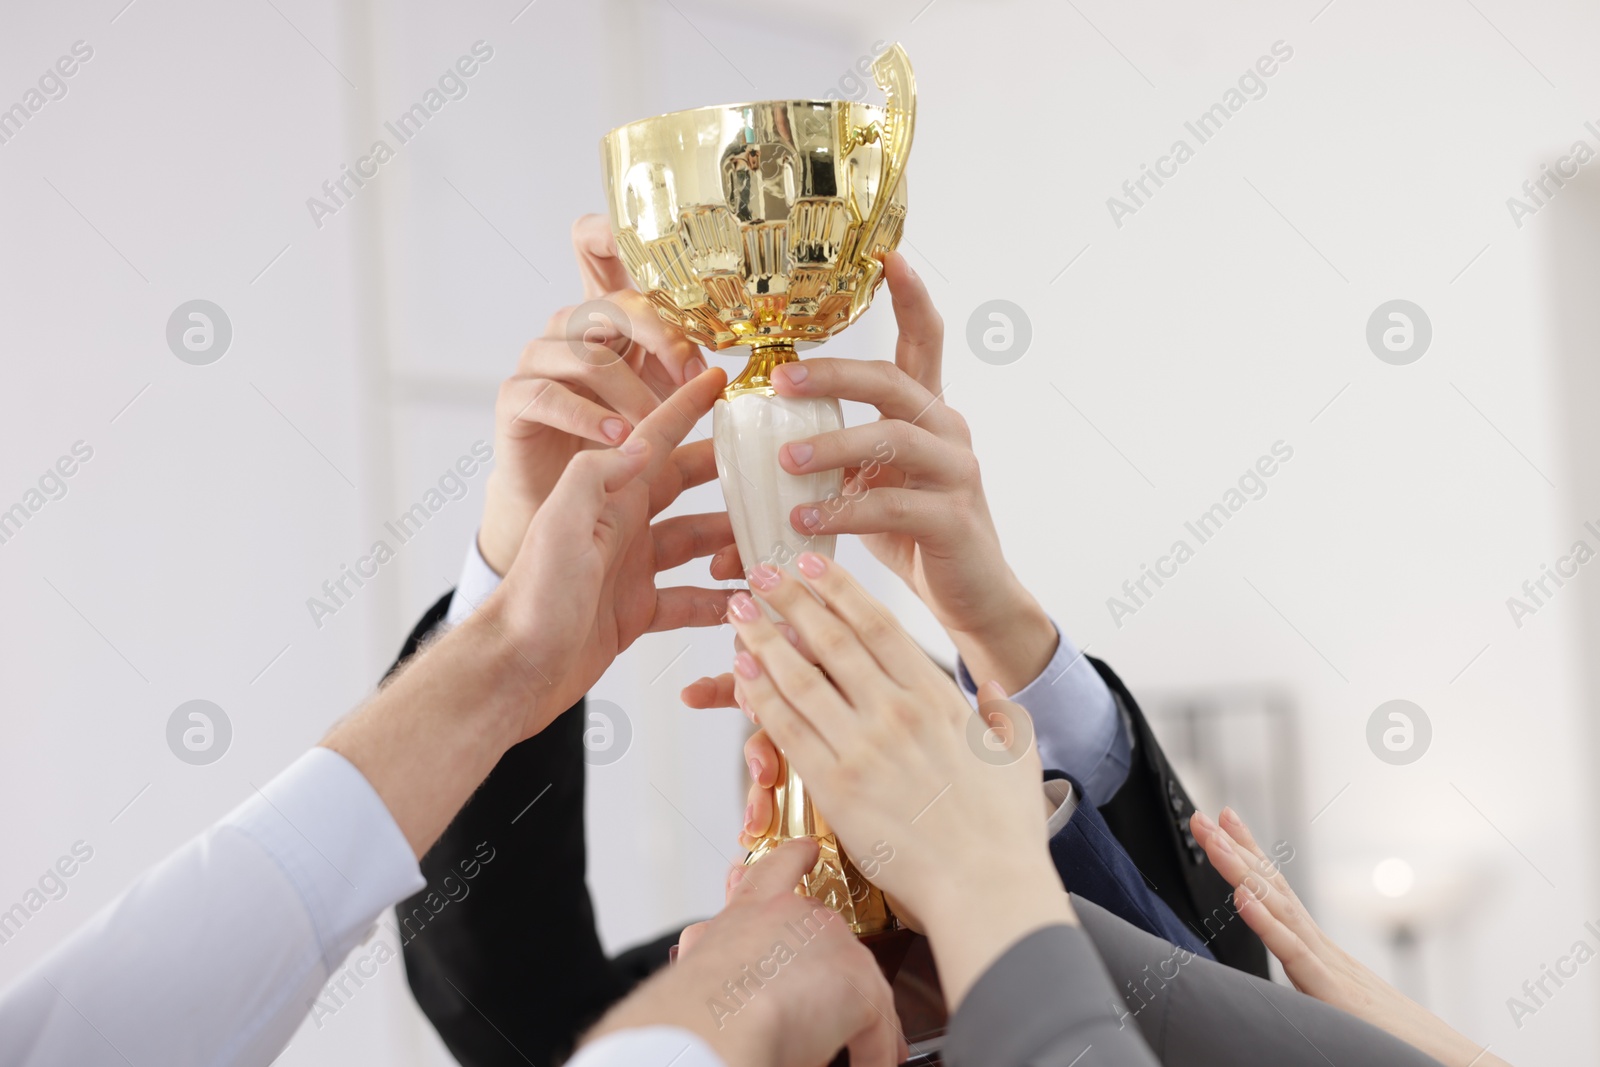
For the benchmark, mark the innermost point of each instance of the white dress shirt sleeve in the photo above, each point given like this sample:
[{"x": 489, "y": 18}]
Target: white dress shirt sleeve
[
  {"x": 1075, "y": 720},
  {"x": 215, "y": 955},
  {"x": 478, "y": 580},
  {"x": 647, "y": 1046}
]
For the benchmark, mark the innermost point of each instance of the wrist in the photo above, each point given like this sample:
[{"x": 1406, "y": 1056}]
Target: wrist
[
  {"x": 1011, "y": 644},
  {"x": 968, "y": 931},
  {"x": 505, "y": 524}
]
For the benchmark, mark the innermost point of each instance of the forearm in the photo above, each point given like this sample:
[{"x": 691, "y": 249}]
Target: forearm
[{"x": 430, "y": 737}]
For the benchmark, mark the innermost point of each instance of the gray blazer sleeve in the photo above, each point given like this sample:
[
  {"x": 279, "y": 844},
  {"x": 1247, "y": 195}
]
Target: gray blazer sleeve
[{"x": 1046, "y": 1002}]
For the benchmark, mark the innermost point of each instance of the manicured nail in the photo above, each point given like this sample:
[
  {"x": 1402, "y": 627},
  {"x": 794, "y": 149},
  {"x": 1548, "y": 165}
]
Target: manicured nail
[
  {"x": 672, "y": 955},
  {"x": 811, "y": 565},
  {"x": 746, "y": 665},
  {"x": 750, "y": 817},
  {"x": 633, "y": 448},
  {"x": 1205, "y": 821},
  {"x": 693, "y": 367},
  {"x": 755, "y": 769},
  {"x": 811, "y": 518},
  {"x": 794, "y": 372},
  {"x": 743, "y": 608},
  {"x": 800, "y": 453},
  {"x": 789, "y": 632},
  {"x": 764, "y": 576},
  {"x": 744, "y": 706},
  {"x": 613, "y": 429},
  {"x": 1223, "y": 844}
]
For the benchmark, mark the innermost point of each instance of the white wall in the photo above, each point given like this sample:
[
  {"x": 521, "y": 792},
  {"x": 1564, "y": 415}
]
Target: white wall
[{"x": 1223, "y": 316}]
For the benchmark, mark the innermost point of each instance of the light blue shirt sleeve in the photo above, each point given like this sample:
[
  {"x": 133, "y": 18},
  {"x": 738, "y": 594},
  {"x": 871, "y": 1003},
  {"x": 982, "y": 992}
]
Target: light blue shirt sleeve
[
  {"x": 1076, "y": 721},
  {"x": 215, "y": 954}
]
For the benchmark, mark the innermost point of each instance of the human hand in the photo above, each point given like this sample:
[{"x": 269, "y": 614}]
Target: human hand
[
  {"x": 914, "y": 493},
  {"x": 584, "y": 384},
  {"x": 785, "y": 982},
  {"x": 1318, "y": 967},
  {"x": 890, "y": 749},
  {"x": 583, "y": 588}
]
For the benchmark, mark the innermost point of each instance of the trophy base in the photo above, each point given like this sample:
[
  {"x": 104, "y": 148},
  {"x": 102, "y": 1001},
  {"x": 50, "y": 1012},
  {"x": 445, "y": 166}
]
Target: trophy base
[{"x": 906, "y": 960}]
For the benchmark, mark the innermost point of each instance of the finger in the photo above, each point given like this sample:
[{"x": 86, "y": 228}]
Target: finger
[
  {"x": 776, "y": 873},
  {"x": 710, "y": 692},
  {"x": 667, "y": 426},
  {"x": 685, "y": 537},
  {"x": 667, "y": 346},
  {"x": 892, "y": 649},
  {"x": 580, "y": 493},
  {"x": 1239, "y": 831},
  {"x": 905, "y": 511},
  {"x": 1234, "y": 833},
  {"x": 920, "y": 349},
  {"x": 599, "y": 265},
  {"x": 1300, "y": 963},
  {"x": 692, "y": 464},
  {"x": 793, "y": 700},
  {"x": 839, "y": 650},
  {"x": 757, "y": 816},
  {"x": 543, "y": 402},
  {"x": 912, "y": 449},
  {"x": 880, "y": 383},
  {"x": 761, "y": 756},
  {"x": 688, "y": 607},
  {"x": 726, "y": 565}
]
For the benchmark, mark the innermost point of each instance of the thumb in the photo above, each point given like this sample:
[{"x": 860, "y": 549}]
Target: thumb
[
  {"x": 776, "y": 873},
  {"x": 580, "y": 494}
]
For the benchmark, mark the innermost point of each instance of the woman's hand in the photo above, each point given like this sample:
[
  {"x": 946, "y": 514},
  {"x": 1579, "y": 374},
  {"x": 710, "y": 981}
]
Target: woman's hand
[
  {"x": 894, "y": 756},
  {"x": 914, "y": 493},
  {"x": 1318, "y": 967}
]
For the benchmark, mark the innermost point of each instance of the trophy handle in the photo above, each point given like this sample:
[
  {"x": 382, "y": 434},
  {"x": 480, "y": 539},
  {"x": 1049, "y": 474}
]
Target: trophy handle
[{"x": 892, "y": 70}]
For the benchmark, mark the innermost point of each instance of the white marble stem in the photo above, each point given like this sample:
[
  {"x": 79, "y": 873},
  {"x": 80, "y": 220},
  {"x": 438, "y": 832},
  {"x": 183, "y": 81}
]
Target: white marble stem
[{"x": 748, "y": 431}]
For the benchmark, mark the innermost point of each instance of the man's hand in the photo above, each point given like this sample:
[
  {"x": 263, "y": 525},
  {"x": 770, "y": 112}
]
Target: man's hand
[
  {"x": 583, "y": 586},
  {"x": 586, "y": 383},
  {"x": 775, "y": 980},
  {"x": 914, "y": 493}
]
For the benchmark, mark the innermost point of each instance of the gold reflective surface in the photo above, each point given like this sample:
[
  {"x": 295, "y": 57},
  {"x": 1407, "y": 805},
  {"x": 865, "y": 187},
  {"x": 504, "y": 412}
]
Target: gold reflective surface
[{"x": 761, "y": 224}]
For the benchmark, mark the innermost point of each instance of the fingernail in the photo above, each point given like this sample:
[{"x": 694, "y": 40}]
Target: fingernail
[
  {"x": 794, "y": 372},
  {"x": 633, "y": 448},
  {"x": 746, "y": 665},
  {"x": 1223, "y": 845},
  {"x": 789, "y": 632},
  {"x": 811, "y": 518},
  {"x": 811, "y": 565},
  {"x": 743, "y": 608},
  {"x": 764, "y": 576},
  {"x": 800, "y": 453},
  {"x": 755, "y": 769},
  {"x": 613, "y": 428},
  {"x": 744, "y": 706},
  {"x": 672, "y": 954},
  {"x": 750, "y": 817},
  {"x": 1205, "y": 821},
  {"x": 693, "y": 368}
]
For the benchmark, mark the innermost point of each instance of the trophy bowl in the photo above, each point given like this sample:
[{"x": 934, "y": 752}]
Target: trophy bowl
[{"x": 762, "y": 225}]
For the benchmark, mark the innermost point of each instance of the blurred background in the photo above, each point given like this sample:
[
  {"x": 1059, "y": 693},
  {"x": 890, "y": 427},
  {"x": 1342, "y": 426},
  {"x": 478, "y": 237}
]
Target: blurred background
[{"x": 1429, "y": 161}]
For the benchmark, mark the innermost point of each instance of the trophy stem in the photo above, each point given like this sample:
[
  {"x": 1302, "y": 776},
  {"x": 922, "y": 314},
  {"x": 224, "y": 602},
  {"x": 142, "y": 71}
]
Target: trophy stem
[{"x": 757, "y": 374}]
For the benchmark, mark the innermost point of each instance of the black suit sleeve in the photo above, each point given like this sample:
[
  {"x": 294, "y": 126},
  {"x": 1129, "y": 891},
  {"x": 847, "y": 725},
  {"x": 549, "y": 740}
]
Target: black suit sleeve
[
  {"x": 501, "y": 949},
  {"x": 1150, "y": 816}
]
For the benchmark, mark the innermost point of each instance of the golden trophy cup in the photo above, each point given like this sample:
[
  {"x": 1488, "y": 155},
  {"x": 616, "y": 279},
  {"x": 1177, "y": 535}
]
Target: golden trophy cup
[{"x": 762, "y": 225}]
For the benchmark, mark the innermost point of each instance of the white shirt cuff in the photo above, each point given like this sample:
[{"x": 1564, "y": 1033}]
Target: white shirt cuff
[
  {"x": 477, "y": 581},
  {"x": 328, "y": 829},
  {"x": 647, "y": 1046},
  {"x": 1063, "y": 801}
]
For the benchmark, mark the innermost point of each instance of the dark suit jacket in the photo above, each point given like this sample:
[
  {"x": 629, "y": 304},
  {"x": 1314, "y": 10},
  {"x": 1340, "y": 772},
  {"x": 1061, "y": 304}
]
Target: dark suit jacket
[{"x": 504, "y": 983}]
